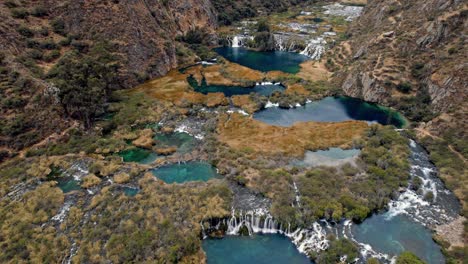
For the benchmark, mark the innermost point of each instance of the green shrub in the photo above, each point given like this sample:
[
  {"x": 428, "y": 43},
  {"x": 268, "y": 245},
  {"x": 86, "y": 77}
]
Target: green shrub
[
  {"x": 11, "y": 4},
  {"x": 32, "y": 43},
  {"x": 39, "y": 11},
  {"x": 51, "y": 56},
  {"x": 263, "y": 26},
  {"x": 80, "y": 46},
  {"x": 48, "y": 44},
  {"x": 35, "y": 54},
  {"x": 418, "y": 69},
  {"x": 408, "y": 258},
  {"x": 20, "y": 13},
  {"x": 404, "y": 87},
  {"x": 26, "y": 32},
  {"x": 452, "y": 50},
  {"x": 44, "y": 31},
  {"x": 58, "y": 26},
  {"x": 65, "y": 42},
  {"x": 338, "y": 249}
]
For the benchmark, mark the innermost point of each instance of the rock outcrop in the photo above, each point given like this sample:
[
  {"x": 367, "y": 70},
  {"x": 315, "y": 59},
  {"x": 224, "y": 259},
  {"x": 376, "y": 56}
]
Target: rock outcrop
[{"x": 421, "y": 44}]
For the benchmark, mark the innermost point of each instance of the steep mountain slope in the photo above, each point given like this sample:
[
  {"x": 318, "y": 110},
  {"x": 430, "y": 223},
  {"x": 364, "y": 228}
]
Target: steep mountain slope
[
  {"x": 401, "y": 48},
  {"x": 37, "y": 34}
]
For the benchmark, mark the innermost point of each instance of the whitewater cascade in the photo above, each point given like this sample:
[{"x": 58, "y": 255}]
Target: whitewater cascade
[
  {"x": 240, "y": 41},
  {"x": 261, "y": 222},
  {"x": 440, "y": 207},
  {"x": 315, "y": 48}
]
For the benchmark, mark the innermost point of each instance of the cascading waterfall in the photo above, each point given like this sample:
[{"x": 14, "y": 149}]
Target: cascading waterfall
[
  {"x": 441, "y": 208},
  {"x": 260, "y": 221},
  {"x": 240, "y": 41},
  {"x": 315, "y": 48}
]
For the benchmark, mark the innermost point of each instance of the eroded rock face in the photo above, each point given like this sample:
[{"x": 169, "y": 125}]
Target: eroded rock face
[
  {"x": 392, "y": 37},
  {"x": 143, "y": 30}
]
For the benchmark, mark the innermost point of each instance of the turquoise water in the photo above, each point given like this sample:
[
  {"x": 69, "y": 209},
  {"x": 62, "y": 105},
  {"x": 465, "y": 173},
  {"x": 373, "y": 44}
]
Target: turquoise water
[
  {"x": 183, "y": 141},
  {"x": 259, "y": 249},
  {"x": 331, "y": 157},
  {"x": 139, "y": 155},
  {"x": 68, "y": 185},
  {"x": 265, "y": 90},
  {"x": 264, "y": 61},
  {"x": 129, "y": 191},
  {"x": 397, "y": 234},
  {"x": 337, "y": 153},
  {"x": 185, "y": 172},
  {"x": 331, "y": 109}
]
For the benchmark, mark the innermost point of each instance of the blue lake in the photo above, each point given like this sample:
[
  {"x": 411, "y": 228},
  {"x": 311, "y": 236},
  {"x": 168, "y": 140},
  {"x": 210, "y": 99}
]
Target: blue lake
[
  {"x": 397, "y": 234},
  {"x": 259, "y": 249},
  {"x": 331, "y": 109},
  {"x": 264, "y": 61}
]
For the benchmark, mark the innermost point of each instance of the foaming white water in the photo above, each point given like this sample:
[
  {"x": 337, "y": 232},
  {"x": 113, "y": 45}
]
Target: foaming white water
[
  {"x": 270, "y": 104},
  {"x": 235, "y": 42},
  {"x": 366, "y": 251},
  {"x": 260, "y": 221},
  {"x": 315, "y": 48}
]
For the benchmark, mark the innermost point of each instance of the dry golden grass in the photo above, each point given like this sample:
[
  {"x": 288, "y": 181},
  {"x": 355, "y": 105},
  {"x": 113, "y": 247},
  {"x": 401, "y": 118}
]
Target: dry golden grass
[
  {"x": 169, "y": 88},
  {"x": 174, "y": 88},
  {"x": 244, "y": 102},
  {"x": 244, "y": 132},
  {"x": 213, "y": 76},
  {"x": 297, "y": 89},
  {"x": 274, "y": 75},
  {"x": 241, "y": 73},
  {"x": 314, "y": 71}
]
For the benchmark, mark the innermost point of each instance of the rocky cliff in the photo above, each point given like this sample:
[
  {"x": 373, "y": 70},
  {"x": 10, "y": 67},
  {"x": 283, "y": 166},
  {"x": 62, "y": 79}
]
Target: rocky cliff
[
  {"x": 144, "y": 30},
  {"x": 401, "y": 49}
]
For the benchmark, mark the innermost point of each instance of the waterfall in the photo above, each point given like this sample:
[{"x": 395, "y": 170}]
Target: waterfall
[
  {"x": 260, "y": 221},
  {"x": 443, "y": 206},
  {"x": 315, "y": 48},
  {"x": 235, "y": 42},
  {"x": 240, "y": 40},
  {"x": 296, "y": 191}
]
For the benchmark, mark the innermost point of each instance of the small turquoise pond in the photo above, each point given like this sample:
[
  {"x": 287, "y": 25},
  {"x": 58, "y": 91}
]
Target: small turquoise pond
[
  {"x": 338, "y": 153},
  {"x": 129, "y": 191},
  {"x": 68, "y": 185},
  {"x": 264, "y": 61},
  {"x": 259, "y": 249},
  {"x": 265, "y": 90},
  {"x": 330, "y": 157},
  {"x": 186, "y": 172},
  {"x": 138, "y": 155},
  {"x": 183, "y": 141},
  {"x": 331, "y": 109},
  {"x": 397, "y": 234}
]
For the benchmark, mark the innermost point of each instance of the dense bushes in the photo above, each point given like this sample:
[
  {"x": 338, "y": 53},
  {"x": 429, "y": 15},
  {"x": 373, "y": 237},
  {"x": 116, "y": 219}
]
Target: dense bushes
[
  {"x": 339, "y": 248},
  {"x": 230, "y": 11},
  {"x": 416, "y": 108},
  {"x": 85, "y": 81}
]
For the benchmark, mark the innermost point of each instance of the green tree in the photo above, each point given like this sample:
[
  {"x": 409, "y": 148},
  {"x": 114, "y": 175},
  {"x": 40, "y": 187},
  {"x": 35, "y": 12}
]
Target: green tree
[
  {"x": 337, "y": 249},
  {"x": 263, "y": 26},
  {"x": 408, "y": 258},
  {"x": 85, "y": 81}
]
